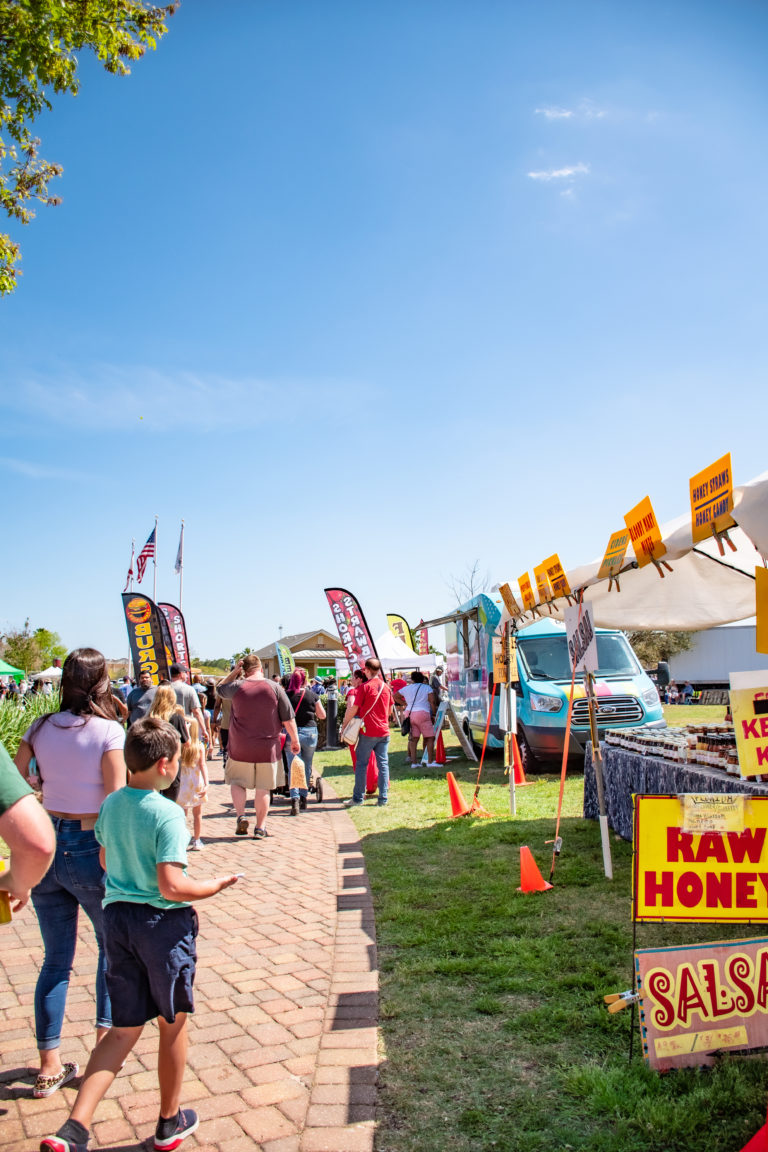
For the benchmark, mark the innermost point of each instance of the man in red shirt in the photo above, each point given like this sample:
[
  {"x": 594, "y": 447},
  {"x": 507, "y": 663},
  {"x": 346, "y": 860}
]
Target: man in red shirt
[
  {"x": 260, "y": 709},
  {"x": 373, "y": 702}
]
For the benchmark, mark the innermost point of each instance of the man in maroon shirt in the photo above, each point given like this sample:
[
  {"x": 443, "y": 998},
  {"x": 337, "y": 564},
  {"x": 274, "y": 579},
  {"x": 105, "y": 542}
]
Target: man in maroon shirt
[
  {"x": 260, "y": 709},
  {"x": 373, "y": 702}
]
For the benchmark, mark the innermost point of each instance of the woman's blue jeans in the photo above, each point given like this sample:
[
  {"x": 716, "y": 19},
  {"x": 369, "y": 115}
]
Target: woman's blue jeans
[
  {"x": 308, "y": 741},
  {"x": 74, "y": 880}
]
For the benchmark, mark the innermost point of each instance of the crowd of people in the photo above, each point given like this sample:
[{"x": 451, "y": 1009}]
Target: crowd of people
[{"x": 117, "y": 769}]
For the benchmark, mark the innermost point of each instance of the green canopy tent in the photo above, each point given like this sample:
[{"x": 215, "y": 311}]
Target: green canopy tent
[{"x": 9, "y": 670}]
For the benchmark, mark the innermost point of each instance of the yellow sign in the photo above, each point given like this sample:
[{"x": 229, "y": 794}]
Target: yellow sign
[
  {"x": 694, "y": 1042},
  {"x": 761, "y": 609},
  {"x": 499, "y": 663},
  {"x": 644, "y": 533},
  {"x": 510, "y": 603},
  {"x": 542, "y": 583},
  {"x": 712, "y": 499},
  {"x": 558, "y": 581},
  {"x": 398, "y": 626},
  {"x": 749, "y": 707},
  {"x": 526, "y": 591},
  {"x": 713, "y": 813},
  {"x": 613, "y": 560},
  {"x": 717, "y": 876}
]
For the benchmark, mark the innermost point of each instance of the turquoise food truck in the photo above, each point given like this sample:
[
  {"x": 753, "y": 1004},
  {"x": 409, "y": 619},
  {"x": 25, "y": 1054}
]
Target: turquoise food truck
[{"x": 626, "y": 695}]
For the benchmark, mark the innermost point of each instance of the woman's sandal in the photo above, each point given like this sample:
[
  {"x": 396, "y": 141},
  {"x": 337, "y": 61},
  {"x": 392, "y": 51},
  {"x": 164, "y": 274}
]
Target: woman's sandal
[{"x": 47, "y": 1085}]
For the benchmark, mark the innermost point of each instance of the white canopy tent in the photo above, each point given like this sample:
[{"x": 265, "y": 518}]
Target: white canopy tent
[
  {"x": 394, "y": 653},
  {"x": 704, "y": 588},
  {"x": 47, "y": 674}
]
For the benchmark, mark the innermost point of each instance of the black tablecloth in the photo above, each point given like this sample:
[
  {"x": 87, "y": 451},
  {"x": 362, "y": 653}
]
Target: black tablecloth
[{"x": 626, "y": 772}]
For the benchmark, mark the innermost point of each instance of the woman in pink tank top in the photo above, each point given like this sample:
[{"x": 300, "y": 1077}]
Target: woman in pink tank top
[{"x": 79, "y": 754}]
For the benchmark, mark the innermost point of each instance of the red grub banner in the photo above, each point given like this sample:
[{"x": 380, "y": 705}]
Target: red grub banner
[
  {"x": 354, "y": 633},
  {"x": 700, "y": 999}
]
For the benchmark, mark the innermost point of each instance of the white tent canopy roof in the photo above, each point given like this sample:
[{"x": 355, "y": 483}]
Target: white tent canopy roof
[
  {"x": 47, "y": 674},
  {"x": 703, "y": 590},
  {"x": 394, "y": 653}
]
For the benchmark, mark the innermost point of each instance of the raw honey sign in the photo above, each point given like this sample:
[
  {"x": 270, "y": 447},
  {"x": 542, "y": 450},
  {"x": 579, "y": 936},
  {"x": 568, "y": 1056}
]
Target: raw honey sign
[
  {"x": 719, "y": 876},
  {"x": 700, "y": 999},
  {"x": 644, "y": 532},
  {"x": 712, "y": 499},
  {"x": 749, "y": 706}
]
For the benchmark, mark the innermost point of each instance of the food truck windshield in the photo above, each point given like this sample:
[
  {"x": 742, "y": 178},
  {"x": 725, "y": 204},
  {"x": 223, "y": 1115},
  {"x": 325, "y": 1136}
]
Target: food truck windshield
[{"x": 546, "y": 657}]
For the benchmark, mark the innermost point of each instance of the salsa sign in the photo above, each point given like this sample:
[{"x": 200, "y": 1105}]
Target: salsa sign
[{"x": 700, "y": 999}]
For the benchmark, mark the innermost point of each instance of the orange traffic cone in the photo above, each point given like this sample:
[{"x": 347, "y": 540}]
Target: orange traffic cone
[
  {"x": 458, "y": 803},
  {"x": 531, "y": 880},
  {"x": 439, "y": 749},
  {"x": 520, "y": 780}
]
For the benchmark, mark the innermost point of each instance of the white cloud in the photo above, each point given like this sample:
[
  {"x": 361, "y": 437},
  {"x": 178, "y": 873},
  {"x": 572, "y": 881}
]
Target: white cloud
[
  {"x": 560, "y": 173},
  {"x": 35, "y": 471},
  {"x": 555, "y": 113},
  {"x": 105, "y": 396},
  {"x": 584, "y": 110}
]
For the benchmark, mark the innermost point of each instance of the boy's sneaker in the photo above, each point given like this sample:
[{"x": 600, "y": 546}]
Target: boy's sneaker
[
  {"x": 241, "y": 828},
  {"x": 184, "y": 1125},
  {"x": 58, "y": 1144}
]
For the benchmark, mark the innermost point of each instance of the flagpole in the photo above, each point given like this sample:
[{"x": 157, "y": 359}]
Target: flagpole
[
  {"x": 154, "y": 561},
  {"x": 130, "y": 589},
  {"x": 181, "y": 567}
]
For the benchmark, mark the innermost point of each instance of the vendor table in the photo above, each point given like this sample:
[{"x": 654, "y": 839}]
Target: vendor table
[{"x": 627, "y": 772}]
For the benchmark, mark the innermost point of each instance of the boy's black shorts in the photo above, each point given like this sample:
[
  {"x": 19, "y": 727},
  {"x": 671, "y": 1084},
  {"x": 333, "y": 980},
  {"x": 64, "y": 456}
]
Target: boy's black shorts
[{"x": 151, "y": 957}]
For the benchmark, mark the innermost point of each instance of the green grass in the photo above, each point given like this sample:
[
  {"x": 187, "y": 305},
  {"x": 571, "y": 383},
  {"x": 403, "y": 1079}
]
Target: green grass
[
  {"x": 495, "y": 1035},
  {"x": 677, "y": 714}
]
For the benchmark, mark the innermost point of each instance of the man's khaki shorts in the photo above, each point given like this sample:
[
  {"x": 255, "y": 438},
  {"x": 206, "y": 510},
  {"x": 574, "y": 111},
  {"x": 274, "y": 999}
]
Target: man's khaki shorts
[{"x": 261, "y": 775}]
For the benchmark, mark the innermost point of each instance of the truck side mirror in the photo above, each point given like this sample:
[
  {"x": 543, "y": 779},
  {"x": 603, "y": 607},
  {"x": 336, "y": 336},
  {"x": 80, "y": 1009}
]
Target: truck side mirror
[{"x": 662, "y": 674}]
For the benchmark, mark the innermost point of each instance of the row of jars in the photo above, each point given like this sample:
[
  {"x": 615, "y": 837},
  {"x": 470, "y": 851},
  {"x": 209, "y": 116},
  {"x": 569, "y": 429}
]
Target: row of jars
[{"x": 711, "y": 744}]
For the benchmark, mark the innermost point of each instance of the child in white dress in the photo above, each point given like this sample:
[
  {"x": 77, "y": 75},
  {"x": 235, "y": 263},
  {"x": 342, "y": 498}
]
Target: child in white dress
[{"x": 194, "y": 782}]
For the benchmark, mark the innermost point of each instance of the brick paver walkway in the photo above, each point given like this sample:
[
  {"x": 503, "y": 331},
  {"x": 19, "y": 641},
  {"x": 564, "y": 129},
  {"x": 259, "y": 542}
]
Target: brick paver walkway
[{"x": 283, "y": 1045}]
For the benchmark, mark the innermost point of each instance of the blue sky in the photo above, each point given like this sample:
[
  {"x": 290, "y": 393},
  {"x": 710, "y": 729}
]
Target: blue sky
[{"x": 366, "y": 292}]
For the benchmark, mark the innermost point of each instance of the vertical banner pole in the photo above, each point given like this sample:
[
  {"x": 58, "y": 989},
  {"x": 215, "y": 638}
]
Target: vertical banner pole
[
  {"x": 597, "y": 760},
  {"x": 510, "y": 726},
  {"x": 154, "y": 570}
]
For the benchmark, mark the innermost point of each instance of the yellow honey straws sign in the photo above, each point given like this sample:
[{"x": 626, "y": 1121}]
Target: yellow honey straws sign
[
  {"x": 613, "y": 560},
  {"x": 712, "y": 499},
  {"x": 558, "y": 581},
  {"x": 526, "y": 591},
  {"x": 719, "y": 876},
  {"x": 644, "y": 533}
]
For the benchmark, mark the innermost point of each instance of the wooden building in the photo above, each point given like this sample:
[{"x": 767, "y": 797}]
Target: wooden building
[{"x": 316, "y": 651}]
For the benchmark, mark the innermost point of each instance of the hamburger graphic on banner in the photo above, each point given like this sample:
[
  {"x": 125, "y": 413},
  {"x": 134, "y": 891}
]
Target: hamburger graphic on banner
[{"x": 145, "y": 634}]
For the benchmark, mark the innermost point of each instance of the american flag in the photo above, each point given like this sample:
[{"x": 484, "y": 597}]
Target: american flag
[{"x": 147, "y": 553}]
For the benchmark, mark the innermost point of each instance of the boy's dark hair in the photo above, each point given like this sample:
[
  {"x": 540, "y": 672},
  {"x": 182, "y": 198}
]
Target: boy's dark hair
[{"x": 147, "y": 741}]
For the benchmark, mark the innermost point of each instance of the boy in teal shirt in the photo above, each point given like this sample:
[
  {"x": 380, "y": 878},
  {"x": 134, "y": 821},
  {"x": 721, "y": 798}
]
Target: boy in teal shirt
[{"x": 149, "y": 929}]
